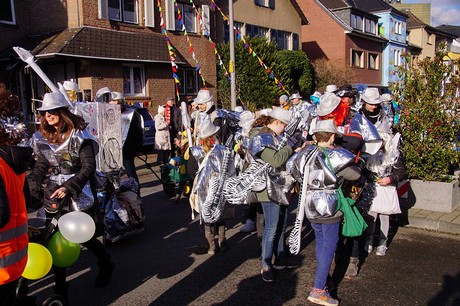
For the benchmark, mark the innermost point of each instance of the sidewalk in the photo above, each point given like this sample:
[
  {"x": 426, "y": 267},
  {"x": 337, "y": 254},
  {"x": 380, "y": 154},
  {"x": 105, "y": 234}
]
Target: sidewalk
[{"x": 432, "y": 220}]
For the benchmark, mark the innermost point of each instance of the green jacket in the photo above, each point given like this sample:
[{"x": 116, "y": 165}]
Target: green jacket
[{"x": 277, "y": 159}]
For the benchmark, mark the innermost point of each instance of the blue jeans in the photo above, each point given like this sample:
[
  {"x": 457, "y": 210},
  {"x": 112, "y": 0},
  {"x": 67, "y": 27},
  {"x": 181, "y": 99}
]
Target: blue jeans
[
  {"x": 326, "y": 236},
  {"x": 275, "y": 217}
]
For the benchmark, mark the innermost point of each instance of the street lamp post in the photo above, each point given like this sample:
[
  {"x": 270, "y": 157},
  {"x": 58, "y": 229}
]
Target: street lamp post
[{"x": 232, "y": 57}]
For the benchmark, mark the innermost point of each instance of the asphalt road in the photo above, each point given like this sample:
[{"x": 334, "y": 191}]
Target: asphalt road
[{"x": 159, "y": 266}]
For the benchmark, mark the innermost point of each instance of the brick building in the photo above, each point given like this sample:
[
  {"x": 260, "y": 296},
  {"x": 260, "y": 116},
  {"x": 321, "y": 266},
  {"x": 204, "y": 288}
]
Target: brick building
[
  {"x": 340, "y": 32},
  {"x": 101, "y": 43}
]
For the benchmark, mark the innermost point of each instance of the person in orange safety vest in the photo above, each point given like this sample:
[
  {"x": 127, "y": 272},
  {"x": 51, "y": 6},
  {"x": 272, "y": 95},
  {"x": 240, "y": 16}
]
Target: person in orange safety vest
[{"x": 14, "y": 200}]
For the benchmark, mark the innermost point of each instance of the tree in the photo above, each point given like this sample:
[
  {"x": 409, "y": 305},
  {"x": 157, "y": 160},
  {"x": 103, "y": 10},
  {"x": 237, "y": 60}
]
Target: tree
[
  {"x": 256, "y": 89},
  {"x": 328, "y": 72},
  {"x": 429, "y": 122}
]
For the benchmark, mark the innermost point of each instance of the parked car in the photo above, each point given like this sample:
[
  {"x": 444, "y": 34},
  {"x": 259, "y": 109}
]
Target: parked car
[{"x": 148, "y": 125}]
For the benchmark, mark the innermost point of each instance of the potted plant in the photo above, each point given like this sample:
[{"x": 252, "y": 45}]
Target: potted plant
[{"x": 428, "y": 95}]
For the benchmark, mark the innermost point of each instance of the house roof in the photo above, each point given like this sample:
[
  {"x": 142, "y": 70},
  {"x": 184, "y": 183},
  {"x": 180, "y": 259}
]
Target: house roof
[
  {"x": 88, "y": 42},
  {"x": 300, "y": 12},
  {"x": 452, "y": 29},
  {"x": 375, "y": 6},
  {"x": 337, "y": 4},
  {"x": 413, "y": 22},
  {"x": 330, "y": 6}
]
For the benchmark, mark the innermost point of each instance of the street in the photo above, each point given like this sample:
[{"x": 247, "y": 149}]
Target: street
[{"x": 159, "y": 267}]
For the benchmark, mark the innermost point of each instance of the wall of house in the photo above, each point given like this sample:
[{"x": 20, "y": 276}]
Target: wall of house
[
  {"x": 46, "y": 17},
  {"x": 323, "y": 37},
  {"x": 364, "y": 75},
  {"x": 282, "y": 17},
  {"x": 11, "y": 34}
]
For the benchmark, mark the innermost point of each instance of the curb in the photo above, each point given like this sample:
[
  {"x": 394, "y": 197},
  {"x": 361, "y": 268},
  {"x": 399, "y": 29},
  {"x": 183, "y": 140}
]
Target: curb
[{"x": 436, "y": 225}]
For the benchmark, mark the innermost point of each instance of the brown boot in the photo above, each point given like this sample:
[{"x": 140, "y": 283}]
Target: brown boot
[
  {"x": 352, "y": 270},
  {"x": 208, "y": 232},
  {"x": 222, "y": 241}
]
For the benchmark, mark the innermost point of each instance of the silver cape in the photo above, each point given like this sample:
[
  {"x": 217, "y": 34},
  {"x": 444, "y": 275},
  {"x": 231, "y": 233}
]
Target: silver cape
[{"x": 215, "y": 168}]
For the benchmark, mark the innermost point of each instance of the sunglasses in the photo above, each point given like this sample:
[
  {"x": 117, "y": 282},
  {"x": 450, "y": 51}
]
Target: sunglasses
[{"x": 50, "y": 111}]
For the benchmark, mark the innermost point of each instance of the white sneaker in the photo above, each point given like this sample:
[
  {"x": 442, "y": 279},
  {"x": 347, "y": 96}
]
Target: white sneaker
[
  {"x": 369, "y": 246},
  {"x": 248, "y": 227},
  {"x": 381, "y": 250}
]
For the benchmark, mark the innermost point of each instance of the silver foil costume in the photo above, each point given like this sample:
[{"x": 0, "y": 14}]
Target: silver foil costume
[
  {"x": 306, "y": 112},
  {"x": 318, "y": 194},
  {"x": 214, "y": 169},
  {"x": 63, "y": 160},
  {"x": 259, "y": 175}
]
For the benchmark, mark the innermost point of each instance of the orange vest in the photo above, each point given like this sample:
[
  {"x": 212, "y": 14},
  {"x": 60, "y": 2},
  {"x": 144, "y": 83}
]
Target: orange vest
[{"x": 13, "y": 236}]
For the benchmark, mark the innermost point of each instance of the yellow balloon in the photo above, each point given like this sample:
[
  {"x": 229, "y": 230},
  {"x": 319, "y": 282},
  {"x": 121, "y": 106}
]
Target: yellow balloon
[{"x": 39, "y": 261}]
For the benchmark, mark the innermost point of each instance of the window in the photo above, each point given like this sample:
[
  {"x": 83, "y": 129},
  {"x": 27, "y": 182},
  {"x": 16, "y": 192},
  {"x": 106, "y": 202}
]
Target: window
[
  {"x": 373, "y": 61},
  {"x": 430, "y": 38},
  {"x": 357, "y": 58},
  {"x": 369, "y": 26},
  {"x": 189, "y": 81},
  {"x": 123, "y": 10},
  {"x": 356, "y": 22},
  {"x": 256, "y": 31},
  {"x": 188, "y": 17},
  {"x": 397, "y": 58},
  {"x": 238, "y": 25},
  {"x": 265, "y": 3},
  {"x": 398, "y": 27},
  {"x": 133, "y": 80},
  {"x": 295, "y": 41},
  {"x": 7, "y": 14},
  {"x": 281, "y": 38},
  {"x": 149, "y": 13}
]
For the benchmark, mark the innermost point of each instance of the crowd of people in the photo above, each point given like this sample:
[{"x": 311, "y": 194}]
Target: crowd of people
[{"x": 300, "y": 152}]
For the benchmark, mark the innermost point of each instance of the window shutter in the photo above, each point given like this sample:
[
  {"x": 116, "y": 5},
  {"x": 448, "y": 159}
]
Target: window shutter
[
  {"x": 271, "y": 4},
  {"x": 103, "y": 9},
  {"x": 170, "y": 16},
  {"x": 206, "y": 18},
  {"x": 149, "y": 13}
]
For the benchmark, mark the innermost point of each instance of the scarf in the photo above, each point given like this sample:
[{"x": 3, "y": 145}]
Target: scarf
[{"x": 372, "y": 116}]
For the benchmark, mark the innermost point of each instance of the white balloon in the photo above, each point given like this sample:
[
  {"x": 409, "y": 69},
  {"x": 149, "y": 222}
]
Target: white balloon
[{"x": 77, "y": 226}]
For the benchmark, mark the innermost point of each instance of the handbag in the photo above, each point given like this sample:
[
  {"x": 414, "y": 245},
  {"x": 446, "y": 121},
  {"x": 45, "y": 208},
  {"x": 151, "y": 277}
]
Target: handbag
[
  {"x": 353, "y": 223},
  {"x": 386, "y": 200}
]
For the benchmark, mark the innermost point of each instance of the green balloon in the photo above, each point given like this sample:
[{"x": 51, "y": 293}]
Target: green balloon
[{"x": 64, "y": 252}]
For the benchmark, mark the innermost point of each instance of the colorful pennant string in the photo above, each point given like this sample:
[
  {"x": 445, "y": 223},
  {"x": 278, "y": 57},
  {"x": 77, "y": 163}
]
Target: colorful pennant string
[
  {"x": 250, "y": 49},
  {"x": 191, "y": 50},
  {"x": 172, "y": 55}
]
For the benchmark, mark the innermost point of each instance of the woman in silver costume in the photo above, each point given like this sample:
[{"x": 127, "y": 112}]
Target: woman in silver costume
[
  {"x": 264, "y": 146},
  {"x": 318, "y": 168},
  {"x": 386, "y": 169},
  {"x": 64, "y": 148},
  {"x": 207, "y": 196}
]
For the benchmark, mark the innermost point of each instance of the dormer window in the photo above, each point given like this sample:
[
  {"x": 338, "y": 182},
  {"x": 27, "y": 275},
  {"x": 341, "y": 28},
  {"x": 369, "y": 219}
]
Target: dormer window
[
  {"x": 356, "y": 22},
  {"x": 370, "y": 26}
]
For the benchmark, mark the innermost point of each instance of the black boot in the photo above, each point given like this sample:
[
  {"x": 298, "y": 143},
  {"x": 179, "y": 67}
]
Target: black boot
[{"x": 106, "y": 268}]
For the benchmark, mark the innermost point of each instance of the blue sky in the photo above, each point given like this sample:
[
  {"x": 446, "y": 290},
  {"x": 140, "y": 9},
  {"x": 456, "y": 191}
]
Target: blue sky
[{"x": 442, "y": 11}]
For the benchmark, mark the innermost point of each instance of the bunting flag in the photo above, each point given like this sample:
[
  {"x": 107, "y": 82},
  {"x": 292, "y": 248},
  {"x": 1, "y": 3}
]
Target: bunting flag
[
  {"x": 250, "y": 49},
  {"x": 191, "y": 50},
  {"x": 171, "y": 50},
  {"x": 213, "y": 44}
]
